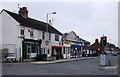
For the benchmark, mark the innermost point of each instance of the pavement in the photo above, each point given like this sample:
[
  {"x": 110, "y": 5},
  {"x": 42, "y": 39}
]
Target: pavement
[{"x": 62, "y": 60}]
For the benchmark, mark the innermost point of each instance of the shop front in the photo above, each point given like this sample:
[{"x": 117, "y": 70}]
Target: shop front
[
  {"x": 57, "y": 51},
  {"x": 31, "y": 48},
  {"x": 75, "y": 50},
  {"x": 66, "y": 49}
]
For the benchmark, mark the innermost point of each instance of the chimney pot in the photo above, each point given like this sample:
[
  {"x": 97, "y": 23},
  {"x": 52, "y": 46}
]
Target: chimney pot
[
  {"x": 96, "y": 40},
  {"x": 23, "y": 11}
]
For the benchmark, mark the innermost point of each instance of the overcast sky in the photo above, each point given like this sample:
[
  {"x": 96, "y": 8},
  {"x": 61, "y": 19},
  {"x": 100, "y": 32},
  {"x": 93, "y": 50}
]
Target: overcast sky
[{"x": 90, "y": 20}]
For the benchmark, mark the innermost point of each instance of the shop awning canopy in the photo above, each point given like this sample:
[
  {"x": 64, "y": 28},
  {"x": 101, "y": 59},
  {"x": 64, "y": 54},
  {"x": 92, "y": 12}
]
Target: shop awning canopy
[{"x": 57, "y": 46}]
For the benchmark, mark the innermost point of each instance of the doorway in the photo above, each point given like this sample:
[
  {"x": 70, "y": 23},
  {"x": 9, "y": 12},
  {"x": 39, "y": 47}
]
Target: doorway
[{"x": 28, "y": 52}]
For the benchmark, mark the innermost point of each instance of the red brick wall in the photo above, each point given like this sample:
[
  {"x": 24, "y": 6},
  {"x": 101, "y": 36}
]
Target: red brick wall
[
  {"x": 97, "y": 45},
  {"x": 86, "y": 47}
]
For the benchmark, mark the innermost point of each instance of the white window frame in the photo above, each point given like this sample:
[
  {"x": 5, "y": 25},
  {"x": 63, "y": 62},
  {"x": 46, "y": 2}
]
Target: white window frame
[
  {"x": 32, "y": 30},
  {"x": 22, "y": 33},
  {"x": 43, "y": 35}
]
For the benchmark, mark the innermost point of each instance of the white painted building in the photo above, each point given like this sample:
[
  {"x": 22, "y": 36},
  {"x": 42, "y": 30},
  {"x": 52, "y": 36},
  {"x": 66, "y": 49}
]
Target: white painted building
[{"x": 26, "y": 37}]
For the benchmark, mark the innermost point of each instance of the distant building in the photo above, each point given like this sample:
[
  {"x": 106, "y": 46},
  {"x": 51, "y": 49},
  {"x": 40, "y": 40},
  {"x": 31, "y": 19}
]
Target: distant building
[
  {"x": 97, "y": 47},
  {"x": 111, "y": 48}
]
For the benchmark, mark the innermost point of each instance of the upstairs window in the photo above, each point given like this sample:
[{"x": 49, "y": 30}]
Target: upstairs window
[
  {"x": 31, "y": 33},
  {"x": 83, "y": 44},
  {"x": 43, "y": 35},
  {"x": 56, "y": 37},
  {"x": 22, "y": 31},
  {"x": 88, "y": 45},
  {"x": 49, "y": 36}
]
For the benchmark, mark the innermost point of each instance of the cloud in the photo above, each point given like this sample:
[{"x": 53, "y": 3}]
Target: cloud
[{"x": 89, "y": 20}]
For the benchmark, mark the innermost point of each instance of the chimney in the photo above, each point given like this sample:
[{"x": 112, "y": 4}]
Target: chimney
[
  {"x": 23, "y": 11},
  {"x": 96, "y": 40}
]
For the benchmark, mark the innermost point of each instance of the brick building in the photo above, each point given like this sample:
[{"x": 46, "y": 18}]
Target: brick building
[{"x": 97, "y": 46}]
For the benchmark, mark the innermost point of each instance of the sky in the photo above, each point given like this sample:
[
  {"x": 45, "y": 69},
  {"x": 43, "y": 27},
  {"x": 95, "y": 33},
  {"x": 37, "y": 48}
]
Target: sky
[{"x": 89, "y": 20}]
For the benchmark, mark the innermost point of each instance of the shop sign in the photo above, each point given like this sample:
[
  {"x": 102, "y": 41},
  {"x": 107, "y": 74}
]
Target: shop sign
[
  {"x": 66, "y": 45},
  {"x": 55, "y": 44},
  {"x": 66, "y": 42},
  {"x": 73, "y": 43}
]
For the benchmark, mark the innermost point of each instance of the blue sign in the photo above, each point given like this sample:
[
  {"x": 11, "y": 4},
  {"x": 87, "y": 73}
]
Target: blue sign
[{"x": 75, "y": 46}]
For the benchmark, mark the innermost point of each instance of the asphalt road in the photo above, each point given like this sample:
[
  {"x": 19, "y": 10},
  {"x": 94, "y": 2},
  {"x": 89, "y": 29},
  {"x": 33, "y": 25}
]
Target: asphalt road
[{"x": 80, "y": 67}]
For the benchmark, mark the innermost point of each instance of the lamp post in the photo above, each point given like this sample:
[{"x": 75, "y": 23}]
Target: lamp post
[{"x": 47, "y": 30}]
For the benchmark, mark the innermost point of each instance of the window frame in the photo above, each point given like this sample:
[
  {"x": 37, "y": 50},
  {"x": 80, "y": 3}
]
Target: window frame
[
  {"x": 22, "y": 31},
  {"x": 49, "y": 36},
  {"x": 56, "y": 37},
  {"x": 32, "y": 35},
  {"x": 43, "y": 35}
]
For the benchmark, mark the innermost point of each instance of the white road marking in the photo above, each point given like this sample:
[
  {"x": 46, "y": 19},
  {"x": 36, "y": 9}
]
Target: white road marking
[{"x": 111, "y": 67}]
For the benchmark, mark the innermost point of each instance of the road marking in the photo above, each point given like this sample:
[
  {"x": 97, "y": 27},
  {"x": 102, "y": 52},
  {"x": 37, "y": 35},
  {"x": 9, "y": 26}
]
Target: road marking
[{"x": 111, "y": 67}]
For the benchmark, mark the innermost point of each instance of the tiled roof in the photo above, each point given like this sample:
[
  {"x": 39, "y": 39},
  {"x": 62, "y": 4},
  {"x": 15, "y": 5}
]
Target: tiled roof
[{"x": 33, "y": 23}]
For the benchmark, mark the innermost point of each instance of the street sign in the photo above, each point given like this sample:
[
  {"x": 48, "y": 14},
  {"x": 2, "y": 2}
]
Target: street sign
[
  {"x": 103, "y": 59},
  {"x": 66, "y": 42},
  {"x": 47, "y": 42}
]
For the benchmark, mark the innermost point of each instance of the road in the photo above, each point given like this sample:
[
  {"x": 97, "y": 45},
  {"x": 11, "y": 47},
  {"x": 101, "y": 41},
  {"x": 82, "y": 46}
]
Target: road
[{"x": 80, "y": 67}]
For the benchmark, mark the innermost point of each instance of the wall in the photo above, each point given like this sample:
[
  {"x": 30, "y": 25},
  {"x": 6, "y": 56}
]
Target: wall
[
  {"x": 72, "y": 36},
  {"x": 10, "y": 32},
  {"x": 27, "y": 34},
  {"x": 43, "y": 45},
  {"x": 56, "y": 43}
]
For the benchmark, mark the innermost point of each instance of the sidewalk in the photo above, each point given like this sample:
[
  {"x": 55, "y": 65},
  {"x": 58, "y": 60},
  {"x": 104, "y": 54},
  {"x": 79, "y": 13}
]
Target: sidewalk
[{"x": 62, "y": 60}]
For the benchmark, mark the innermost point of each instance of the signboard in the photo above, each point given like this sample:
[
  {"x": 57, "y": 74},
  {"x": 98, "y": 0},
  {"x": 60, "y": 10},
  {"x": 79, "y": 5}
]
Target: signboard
[
  {"x": 73, "y": 43},
  {"x": 103, "y": 59},
  {"x": 33, "y": 55},
  {"x": 66, "y": 42},
  {"x": 47, "y": 42}
]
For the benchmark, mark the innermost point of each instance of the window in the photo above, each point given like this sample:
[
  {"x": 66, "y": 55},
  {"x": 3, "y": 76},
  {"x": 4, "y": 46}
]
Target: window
[
  {"x": 31, "y": 33},
  {"x": 49, "y": 35},
  {"x": 56, "y": 37},
  {"x": 42, "y": 51},
  {"x": 48, "y": 51},
  {"x": 64, "y": 50},
  {"x": 43, "y": 35},
  {"x": 88, "y": 45},
  {"x": 83, "y": 44},
  {"x": 22, "y": 31}
]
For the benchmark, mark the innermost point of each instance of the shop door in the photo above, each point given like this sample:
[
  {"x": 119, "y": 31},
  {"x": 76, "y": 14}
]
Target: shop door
[{"x": 28, "y": 52}]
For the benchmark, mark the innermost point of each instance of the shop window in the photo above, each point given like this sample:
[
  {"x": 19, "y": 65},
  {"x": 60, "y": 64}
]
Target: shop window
[
  {"x": 68, "y": 50},
  {"x": 33, "y": 49},
  {"x": 31, "y": 33},
  {"x": 48, "y": 51},
  {"x": 56, "y": 37},
  {"x": 64, "y": 50},
  {"x": 43, "y": 35},
  {"x": 22, "y": 31}
]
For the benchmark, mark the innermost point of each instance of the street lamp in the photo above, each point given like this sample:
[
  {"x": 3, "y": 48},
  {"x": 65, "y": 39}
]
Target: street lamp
[
  {"x": 47, "y": 23},
  {"x": 47, "y": 29}
]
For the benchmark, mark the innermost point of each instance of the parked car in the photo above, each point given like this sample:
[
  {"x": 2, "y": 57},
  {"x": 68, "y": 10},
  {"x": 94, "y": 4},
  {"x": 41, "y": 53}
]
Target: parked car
[{"x": 11, "y": 58}]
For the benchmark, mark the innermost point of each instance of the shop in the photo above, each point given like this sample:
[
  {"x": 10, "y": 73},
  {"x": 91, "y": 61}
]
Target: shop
[
  {"x": 31, "y": 48},
  {"x": 57, "y": 51},
  {"x": 66, "y": 49},
  {"x": 75, "y": 50}
]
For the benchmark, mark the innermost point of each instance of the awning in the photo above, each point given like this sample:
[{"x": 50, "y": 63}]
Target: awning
[{"x": 57, "y": 46}]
